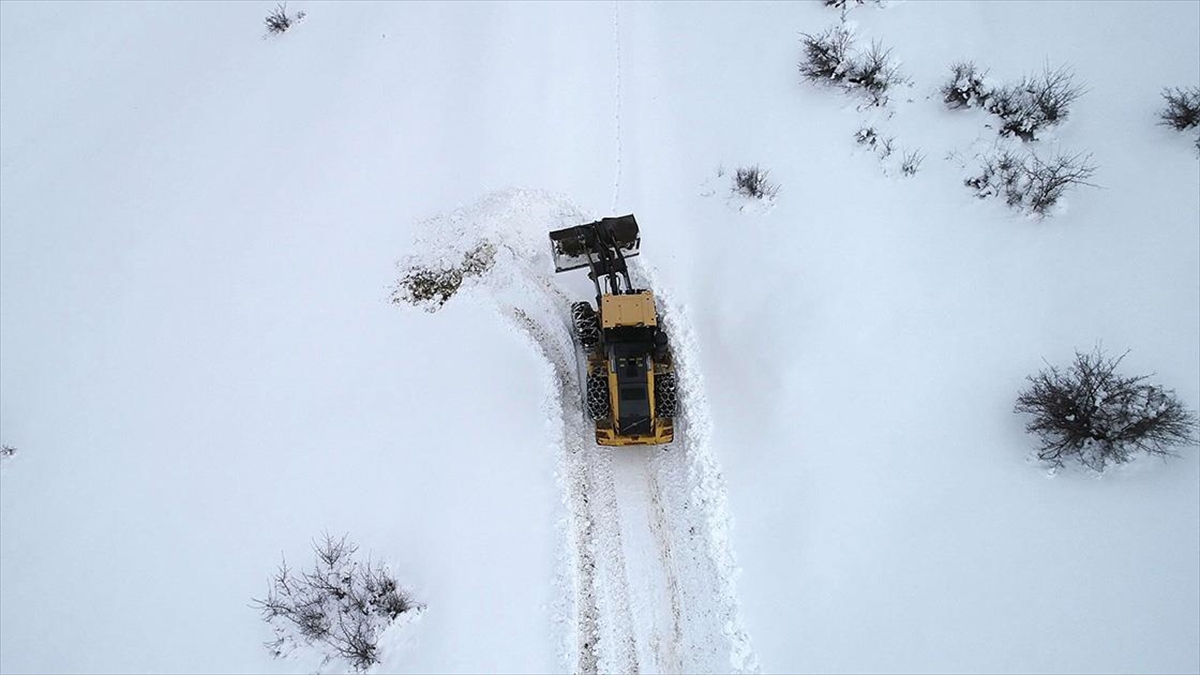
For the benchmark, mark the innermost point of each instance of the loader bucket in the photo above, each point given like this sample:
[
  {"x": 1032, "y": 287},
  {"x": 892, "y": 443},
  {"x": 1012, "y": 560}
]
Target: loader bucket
[{"x": 572, "y": 246}]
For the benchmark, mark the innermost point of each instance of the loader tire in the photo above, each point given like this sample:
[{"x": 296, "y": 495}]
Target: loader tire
[
  {"x": 598, "y": 405},
  {"x": 662, "y": 349},
  {"x": 666, "y": 402},
  {"x": 587, "y": 324}
]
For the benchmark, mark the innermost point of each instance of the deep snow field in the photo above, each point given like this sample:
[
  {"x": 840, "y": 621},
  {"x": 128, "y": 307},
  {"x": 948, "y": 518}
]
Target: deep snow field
[{"x": 202, "y": 370}]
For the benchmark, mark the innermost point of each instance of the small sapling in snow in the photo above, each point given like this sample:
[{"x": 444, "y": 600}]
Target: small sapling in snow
[
  {"x": 884, "y": 147},
  {"x": 911, "y": 162},
  {"x": 1091, "y": 414}
]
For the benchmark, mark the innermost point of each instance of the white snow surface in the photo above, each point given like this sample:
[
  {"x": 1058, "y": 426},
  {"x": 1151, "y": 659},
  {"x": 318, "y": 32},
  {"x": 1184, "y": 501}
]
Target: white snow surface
[{"x": 201, "y": 370}]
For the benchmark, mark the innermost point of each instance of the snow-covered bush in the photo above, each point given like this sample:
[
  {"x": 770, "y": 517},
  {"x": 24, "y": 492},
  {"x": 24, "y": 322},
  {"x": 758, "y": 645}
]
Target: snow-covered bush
[
  {"x": 278, "y": 21},
  {"x": 431, "y": 287},
  {"x": 966, "y": 87},
  {"x": 340, "y": 607},
  {"x": 751, "y": 181},
  {"x": 1024, "y": 108},
  {"x": 846, "y": 4},
  {"x": 1094, "y": 415},
  {"x": 1001, "y": 176},
  {"x": 870, "y": 138},
  {"x": 1027, "y": 183},
  {"x": 866, "y": 136},
  {"x": 1035, "y": 103},
  {"x": 7, "y": 451},
  {"x": 1183, "y": 108},
  {"x": 828, "y": 59}
]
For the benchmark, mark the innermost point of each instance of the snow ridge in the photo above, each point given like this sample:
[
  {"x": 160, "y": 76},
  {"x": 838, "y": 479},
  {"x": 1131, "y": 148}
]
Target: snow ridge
[{"x": 705, "y": 484}]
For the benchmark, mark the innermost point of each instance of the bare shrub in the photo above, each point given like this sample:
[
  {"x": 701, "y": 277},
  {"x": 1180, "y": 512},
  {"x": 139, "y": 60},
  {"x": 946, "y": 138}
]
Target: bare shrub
[
  {"x": 966, "y": 87},
  {"x": 1094, "y": 415},
  {"x": 1182, "y": 111},
  {"x": 847, "y": 4},
  {"x": 432, "y": 287},
  {"x": 828, "y": 59},
  {"x": 1048, "y": 181},
  {"x": 826, "y": 55},
  {"x": 911, "y": 163},
  {"x": 1000, "y": 176},
  {"x": 1024, "y": 108},
  {"x": 751, "y": 181},
  {"x": 341, "y": 606},
  {"x": 1027, "y": 183},
  {"x": 278, "y": 21},
  {"x": 1053, "y": 93},
  {"x": 7, "y": 451},
  {"x": 1035, "y": 103},
  {"x": 875, "y": 73}
]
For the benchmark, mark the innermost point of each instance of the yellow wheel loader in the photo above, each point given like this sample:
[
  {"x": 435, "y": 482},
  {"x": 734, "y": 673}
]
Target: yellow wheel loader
[{"x": 630, "y": 379}]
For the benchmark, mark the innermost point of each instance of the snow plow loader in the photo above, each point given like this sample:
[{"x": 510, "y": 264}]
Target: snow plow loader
[{"x": 630, "y": 378}]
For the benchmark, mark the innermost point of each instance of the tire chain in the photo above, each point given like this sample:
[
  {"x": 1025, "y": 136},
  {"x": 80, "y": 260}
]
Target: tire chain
[
  {"x": 587, "y": 326},
  {"x": 597, "y": 395},
  {"x": 666, "y": 402}
]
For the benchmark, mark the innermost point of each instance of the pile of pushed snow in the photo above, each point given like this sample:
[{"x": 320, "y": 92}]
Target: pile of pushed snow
[{"x": 502, "y": 236}]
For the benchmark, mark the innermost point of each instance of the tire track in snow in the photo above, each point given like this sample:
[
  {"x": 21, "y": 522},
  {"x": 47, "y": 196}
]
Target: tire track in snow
[
  {"x": 617, "y": 102},
  {"x": 658, "y": 603},
  {"x": 572, "y": 472},
  {"x": 602, "y": 636},
  {"x": 604, "y": 632},
  {"x": 699, "y": 501},
  {"x": 671, "y": 658}
]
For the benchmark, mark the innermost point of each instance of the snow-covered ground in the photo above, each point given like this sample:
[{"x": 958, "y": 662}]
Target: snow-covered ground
[{"x": 201, "y": 370}]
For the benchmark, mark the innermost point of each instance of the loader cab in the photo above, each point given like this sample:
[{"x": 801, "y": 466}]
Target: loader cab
[
  {"x": 629, "y": 323},
  {"x": 631, "y": 362}
]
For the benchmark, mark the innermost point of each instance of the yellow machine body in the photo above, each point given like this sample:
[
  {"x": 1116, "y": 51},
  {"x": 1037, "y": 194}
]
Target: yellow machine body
[
  {"x": 636, "y": 310},
  {"x": 662, "y": 429},
  {"x": 628, "y": 310},
  {"x": 630, "y": 388}
]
